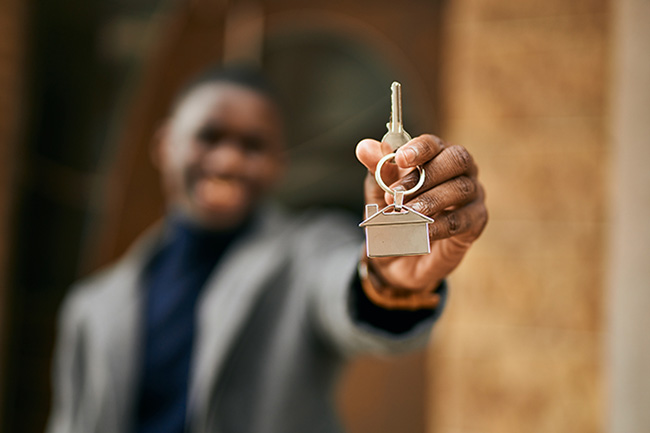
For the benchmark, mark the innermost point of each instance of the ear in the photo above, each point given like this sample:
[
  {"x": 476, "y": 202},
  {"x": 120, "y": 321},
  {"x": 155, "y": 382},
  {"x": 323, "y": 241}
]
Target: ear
[{"x": 159, "y": 145}]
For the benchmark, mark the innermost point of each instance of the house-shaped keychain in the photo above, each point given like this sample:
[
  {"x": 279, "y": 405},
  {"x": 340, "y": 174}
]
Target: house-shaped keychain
[{"x": 392, "y": 232}]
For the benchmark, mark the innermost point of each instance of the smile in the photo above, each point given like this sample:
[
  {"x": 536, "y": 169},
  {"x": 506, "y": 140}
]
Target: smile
[{"x": 216, "y": 193}]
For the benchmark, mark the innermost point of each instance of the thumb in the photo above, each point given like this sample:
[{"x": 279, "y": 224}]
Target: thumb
[{"x": 369, "y": 152}]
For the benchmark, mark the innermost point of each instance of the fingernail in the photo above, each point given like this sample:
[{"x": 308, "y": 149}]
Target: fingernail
[{"x": 409, "y": 154}]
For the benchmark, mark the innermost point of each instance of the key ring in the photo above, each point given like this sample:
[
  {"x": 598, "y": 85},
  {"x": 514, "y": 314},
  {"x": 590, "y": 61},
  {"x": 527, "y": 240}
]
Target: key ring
[{"x": 385, "y": 187}]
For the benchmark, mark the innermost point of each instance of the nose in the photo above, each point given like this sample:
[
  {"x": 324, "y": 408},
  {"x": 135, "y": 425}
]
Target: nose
[{"x": 226, "y": 158}]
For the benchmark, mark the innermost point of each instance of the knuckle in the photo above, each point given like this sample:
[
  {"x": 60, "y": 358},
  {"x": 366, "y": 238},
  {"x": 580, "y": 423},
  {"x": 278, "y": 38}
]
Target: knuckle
[
  {"x": 422, "y": 143},
  {"x": 411, "y": 179},
  {"x": 428, "y": 204},
  {"x": 434, "y": 139},
  {"x": 453, "y": 225},
  {"x": 483, "y": 218},
  {"x": 478, "y": 221},
  {"x": 434, "y": 231},
  {"x": 461, "y": 157},
  {"x": 466, "y": 187},
  {"x": 428, "y": 145}
]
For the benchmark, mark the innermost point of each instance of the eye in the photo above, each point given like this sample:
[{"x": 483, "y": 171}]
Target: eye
[
  {"x": 209, "y": 134},
  {"x": 253, "y": 144}
]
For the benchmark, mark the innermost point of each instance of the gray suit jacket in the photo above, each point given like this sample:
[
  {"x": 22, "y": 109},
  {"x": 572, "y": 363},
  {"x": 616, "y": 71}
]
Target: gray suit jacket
[{"x": 274, "y": 327}]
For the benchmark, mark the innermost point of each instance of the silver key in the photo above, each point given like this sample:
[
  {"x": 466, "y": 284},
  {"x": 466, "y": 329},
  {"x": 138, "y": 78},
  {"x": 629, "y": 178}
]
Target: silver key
[
  {"x": 396, "y": 135},
  {"x": 396, "y": 230}
]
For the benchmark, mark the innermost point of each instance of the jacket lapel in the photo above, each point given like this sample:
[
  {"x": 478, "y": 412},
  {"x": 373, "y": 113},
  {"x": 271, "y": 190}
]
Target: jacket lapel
[
  {"x": 226, "y": 304},
  {"x": 115, "y": 329}
]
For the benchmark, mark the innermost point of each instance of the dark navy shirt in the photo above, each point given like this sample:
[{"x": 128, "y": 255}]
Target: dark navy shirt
[{"x": 173, "y": 282}]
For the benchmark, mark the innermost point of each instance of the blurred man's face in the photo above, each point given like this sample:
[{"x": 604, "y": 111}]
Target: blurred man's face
[{"x": 220, "y": 152}]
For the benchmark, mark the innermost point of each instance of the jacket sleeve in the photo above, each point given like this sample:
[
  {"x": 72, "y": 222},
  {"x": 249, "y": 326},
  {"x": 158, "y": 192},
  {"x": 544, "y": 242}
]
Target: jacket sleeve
[
  {"x": 67, "y": 370},
  {"x": 329, "y": 250}
]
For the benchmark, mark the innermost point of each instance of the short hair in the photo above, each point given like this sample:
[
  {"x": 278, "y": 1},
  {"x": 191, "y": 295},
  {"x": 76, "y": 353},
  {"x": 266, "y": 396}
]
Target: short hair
[{"x": 245, "y": 75}]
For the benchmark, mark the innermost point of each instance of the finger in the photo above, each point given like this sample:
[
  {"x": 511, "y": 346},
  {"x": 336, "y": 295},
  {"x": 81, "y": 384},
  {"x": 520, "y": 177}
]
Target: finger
[
  {"x": 470, "y": 219},
  {"x": 419, "y": 151},
  {"x": 453, "y": 193},
  {"x": 373, "y": 192},
  {"x": 369, "y": 152},
  {"x": 451, "y": 162}
]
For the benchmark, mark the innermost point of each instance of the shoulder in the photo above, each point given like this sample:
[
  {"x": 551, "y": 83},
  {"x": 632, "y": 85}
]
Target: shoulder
[
  {"x": 90, "y": 287},
  {"x": 115, "y": 280},
  {"x": 89, "y": 295}
]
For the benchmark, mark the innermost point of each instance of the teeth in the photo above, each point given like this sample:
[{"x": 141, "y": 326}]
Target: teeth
[
  {"x": 217, "y": 181},
  {"x": 216, "y": 192}
]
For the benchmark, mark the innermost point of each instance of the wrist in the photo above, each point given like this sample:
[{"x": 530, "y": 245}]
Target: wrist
[{"x": 394, "y": 298}]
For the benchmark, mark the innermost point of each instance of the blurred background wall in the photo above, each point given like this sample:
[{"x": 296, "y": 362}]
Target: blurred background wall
[
  {"x": 628, "y": 348},
  {"x": 12, "y": 70},
  {"x": 526, "y": 89},
  {"x": 545, "y": 329}
]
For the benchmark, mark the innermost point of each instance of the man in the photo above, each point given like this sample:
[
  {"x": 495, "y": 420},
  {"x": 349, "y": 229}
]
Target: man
[{"x": 235, "y": 316}]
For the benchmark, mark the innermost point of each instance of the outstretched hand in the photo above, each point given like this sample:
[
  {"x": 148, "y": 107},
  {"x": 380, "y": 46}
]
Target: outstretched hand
[{"x": 451, "y": 194}]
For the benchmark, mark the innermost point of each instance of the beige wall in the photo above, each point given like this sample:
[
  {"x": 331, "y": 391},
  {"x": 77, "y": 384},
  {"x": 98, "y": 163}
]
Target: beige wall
[
  {"x": 629, "y": 282},
  {"x": 520, "y": 346}
]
